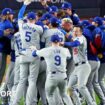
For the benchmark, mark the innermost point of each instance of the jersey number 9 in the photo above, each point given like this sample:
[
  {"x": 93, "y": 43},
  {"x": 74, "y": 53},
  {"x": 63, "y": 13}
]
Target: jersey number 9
[
  {"x": 28, "y": 36},
  {"x": 58, "y": 60}
]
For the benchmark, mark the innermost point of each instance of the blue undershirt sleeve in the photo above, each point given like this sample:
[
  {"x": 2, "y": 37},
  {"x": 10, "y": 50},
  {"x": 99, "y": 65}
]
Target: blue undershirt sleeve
[
  {"x": 72, "y": 44},
  {"x": 21, "y": 12}
]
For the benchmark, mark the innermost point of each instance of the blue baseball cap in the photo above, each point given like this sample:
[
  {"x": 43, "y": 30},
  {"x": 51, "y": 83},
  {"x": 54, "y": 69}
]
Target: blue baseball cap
[
  {"x": 85, "y": 23},
  {"x": 55, "y": 38},
  {"x": 53, "y": 9},
  {"x": 7, "y": 11},
  {"x": 66, "y": 5},
  {"x": 31, "y": 16},
  {"x": 46, "y": 16},
  {"x": 54, "y": 20},
  {"x": 98, "y": 20}
]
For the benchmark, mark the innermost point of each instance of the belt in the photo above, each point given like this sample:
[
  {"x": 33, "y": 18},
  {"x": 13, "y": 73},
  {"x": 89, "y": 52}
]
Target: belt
[
  {"x": 77, "y": 64},
  {"x": 54, "y": 72}
]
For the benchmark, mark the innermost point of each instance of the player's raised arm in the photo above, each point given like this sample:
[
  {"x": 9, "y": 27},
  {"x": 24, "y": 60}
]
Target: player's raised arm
[
  {"x": 21, "y": 13},
  {"x": 44, "y": 3},
  {"x": 22, "y": 10}
]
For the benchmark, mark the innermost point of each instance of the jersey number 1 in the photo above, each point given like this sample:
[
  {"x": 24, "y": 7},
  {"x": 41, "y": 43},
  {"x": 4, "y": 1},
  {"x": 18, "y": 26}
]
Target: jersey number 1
[
  {"x": 28, "y": 36},
  {"x": 58, "y": 60}
]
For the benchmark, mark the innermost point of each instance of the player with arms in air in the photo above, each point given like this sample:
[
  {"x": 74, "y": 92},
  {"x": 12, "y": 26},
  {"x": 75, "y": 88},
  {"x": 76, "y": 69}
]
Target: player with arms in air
[{"x": 29, "y": 66}]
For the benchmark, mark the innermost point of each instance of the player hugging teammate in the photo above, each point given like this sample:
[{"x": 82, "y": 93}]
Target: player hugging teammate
[{"x": 55, "y": 58}]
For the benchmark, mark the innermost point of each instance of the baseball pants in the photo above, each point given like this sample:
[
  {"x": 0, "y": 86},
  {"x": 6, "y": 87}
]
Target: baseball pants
[
  {"x": 70, "y": 67},
  {"x": 10, "y": 76},
  {"x": 53, "y": 81},
  {"x": 41, "y": 82},
  {"x": 28, "y": 71},
  {"x": 41, "y": 85},
  {"x": 93, "y": 83},
  {"x": 78, "y": 79},
  {"x": 16, "y": 78},
  {"x": 101, "y": 77}
]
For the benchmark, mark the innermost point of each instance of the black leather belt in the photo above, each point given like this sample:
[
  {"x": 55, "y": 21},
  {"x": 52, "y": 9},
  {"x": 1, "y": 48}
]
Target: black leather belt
[
  {"x": 77, "y": 64},
  {"x": 53, "y": 72}
]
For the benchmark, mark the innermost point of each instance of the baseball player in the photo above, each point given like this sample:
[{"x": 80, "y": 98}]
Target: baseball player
[
  {"x": 53, "y": 10},
  {"x": 45, "y": 20},
  {"x": 47, "y": 42},
  {"x": 80, "y": 75},
  {"x": 49, "y": 32},
  {"x": 56, "y": 69},
  {"x": 70, "y": 13},
  {"x": 9, "y": 73},
  {"x": 17, "y": 47},
  {"x": 8, "y": 83},
  {"x": 29, "y": 66},
  {"x": 101, "y": 69},
  {"x": 92, "y": 84},
  {"x": 67, "y": 26},
  {"x": 99, "y": 36},
  {"x": 6, "y": 28}
]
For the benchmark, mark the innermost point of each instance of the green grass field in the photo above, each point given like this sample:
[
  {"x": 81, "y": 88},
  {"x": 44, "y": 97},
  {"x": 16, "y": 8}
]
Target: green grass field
[{"x": 22, "y": 102}]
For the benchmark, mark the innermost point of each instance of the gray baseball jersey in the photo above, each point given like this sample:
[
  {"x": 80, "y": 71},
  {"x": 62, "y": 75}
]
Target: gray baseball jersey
[
  {"x": 55, "y": 58},
  {"x": 56, "y": 61},
  {"x": 80, "y": 52},
  {"x": 30, "y": 36},
  {"x": 29, "y": 66},
  {"x": 81, "y": 73},
  {"x": 46, "y": 37},
  {"x": 16, "y": 43}
]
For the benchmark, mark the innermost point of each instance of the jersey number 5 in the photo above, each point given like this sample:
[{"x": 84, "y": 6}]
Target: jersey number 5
[
  {"x": 58, "y": 60},
  {"x": 28, "y": 36}
]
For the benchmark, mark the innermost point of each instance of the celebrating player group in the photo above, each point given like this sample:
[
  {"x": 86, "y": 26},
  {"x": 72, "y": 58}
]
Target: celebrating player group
[{"x": 56, "y": 58}]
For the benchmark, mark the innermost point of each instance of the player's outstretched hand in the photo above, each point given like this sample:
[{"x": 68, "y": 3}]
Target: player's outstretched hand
[
  {"x": 27, "y": 2},
  {"x": 44, "y": 3},
  {"x": 33, "y": 48},
  {"x": 62, "y": 43}
]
